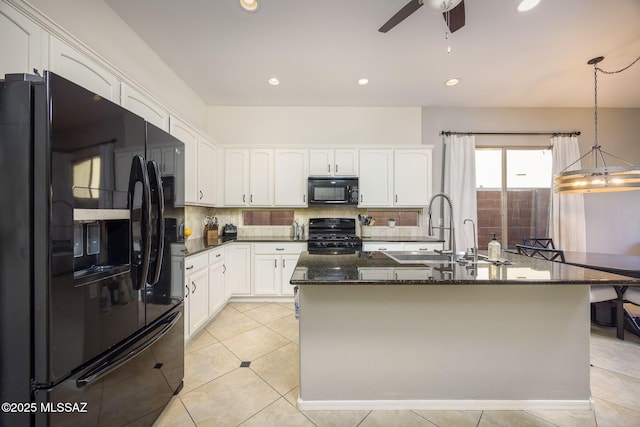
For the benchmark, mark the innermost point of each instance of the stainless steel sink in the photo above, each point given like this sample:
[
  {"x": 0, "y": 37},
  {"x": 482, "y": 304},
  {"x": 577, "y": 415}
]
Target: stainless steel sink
[{"x": 416, "y": 257}]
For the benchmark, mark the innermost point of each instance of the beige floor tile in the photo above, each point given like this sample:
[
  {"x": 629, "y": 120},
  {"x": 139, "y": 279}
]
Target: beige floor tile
[
  {"x": 395, "y": 419},
  {"x": 288, "y": 327},
  {"x": 452, "y": 418},
  {"x": 567, "y": 418},
  {"x": 616, "y": 388},
  {"x": 202, "y": 339},
  {"x": 280, "y": 368},
  {"x": 511, "y": 419},
  {"x": 229, "y": 400},
  {"x": 244, "y": 306},
  {"x": 255, "y": 343},
  {"x": 231, "y": 325},
  {"x": 616, "y": 355},
  {"x": 175, "y": 414},
  {"x": 611, "y": 415},
  {"x": 336, "y": 418},
  {"x": 292, "y": 396},
  {"x": 269, "y": 312},
  {"x": 206, "y": 364},
  {"x": 278, "y": 414}
]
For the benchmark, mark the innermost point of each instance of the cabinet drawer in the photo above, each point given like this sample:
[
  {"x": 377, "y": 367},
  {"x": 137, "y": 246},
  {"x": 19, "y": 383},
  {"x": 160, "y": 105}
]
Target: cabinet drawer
[
  {"x": 196, "y": 262},
  {"x": 382, "y": 246},
  {"x": 422, "y": 246},
  {"x": 279, "y": 248},
  {"x": 216, "y": 255}
]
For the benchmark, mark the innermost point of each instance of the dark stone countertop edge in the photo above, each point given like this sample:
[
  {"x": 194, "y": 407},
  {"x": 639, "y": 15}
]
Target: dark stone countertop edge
[{"x": 402, "y": 239}]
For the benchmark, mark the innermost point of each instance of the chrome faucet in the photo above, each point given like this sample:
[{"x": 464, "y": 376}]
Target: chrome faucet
[
  {"x": 452, "y": 235},
  {"x": 475, "y": 240}
]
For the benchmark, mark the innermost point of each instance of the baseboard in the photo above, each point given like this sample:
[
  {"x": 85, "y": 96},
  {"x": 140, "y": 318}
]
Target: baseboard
[{"x": 445, "y": 405}]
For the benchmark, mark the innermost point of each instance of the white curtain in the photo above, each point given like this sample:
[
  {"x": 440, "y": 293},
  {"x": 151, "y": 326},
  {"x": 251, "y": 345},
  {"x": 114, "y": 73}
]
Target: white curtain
[
  {"x": 567, "y": 220},
  {"x": 460, "y": 186}
]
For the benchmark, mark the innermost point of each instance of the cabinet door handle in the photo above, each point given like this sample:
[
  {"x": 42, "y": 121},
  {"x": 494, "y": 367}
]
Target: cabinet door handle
[
  {"x": 360, "y": 198},
  {"x": 251, "y": 198},
  {"x": 201, "y": 194},
  {"x": 244, "y": 198},
  {"x": 328, "y": 168},
  {"x": 275, "y": 263},
  {"x": 336, "y": 168},
  {"x": 218, "y": 255},
  {"x": 396, "y": 198},
  {"x": 304, "y": 198},
  {"x": 186, "y": 295},
  {"x": 224, "y": 268},
  {"x": 283, "y": 263},
  {"x": 382, "y": 249},
  {"x": 279, "y": 249},
  {"x": 189, "y": 268},
  {"x": 193, "y": 291}
]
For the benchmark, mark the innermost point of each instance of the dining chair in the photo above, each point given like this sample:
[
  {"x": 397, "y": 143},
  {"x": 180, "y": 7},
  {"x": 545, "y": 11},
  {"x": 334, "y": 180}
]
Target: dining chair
[
  {"x": 597, "y": 293},
  {"x": 539, "y": 242},
  {"x": 632, "y": 295},
  {"x": 541, "y": 252}
]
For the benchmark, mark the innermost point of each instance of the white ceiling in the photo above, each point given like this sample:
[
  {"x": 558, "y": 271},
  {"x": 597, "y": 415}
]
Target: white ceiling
[{"x": 319, "y": 49}]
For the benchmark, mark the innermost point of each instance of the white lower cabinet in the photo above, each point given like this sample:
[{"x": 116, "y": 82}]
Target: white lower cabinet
[
  {"x": 273, "y": 265},
  {"x": 217, "y": 268},
  {"x": 238, "y": 273},
  {"x": 196, "y": 293}
]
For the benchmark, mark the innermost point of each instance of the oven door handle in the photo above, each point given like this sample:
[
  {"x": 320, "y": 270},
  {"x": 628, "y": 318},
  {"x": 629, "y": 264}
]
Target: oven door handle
[{"x": 131, "y": 349}]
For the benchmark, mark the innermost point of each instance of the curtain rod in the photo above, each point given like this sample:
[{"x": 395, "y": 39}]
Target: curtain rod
[{"x": 570, "y": 133}]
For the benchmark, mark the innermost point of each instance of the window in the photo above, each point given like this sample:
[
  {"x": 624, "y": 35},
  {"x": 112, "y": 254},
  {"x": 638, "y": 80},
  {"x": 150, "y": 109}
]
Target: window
[{"x": 513, "y": 188}]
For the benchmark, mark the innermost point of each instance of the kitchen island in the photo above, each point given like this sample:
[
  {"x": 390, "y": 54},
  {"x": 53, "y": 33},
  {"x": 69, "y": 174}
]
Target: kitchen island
[{"x": 380, "y": 334}]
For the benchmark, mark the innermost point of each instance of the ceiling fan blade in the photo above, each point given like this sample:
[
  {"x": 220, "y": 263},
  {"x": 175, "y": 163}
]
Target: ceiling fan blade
[
  {"x": 402, "y": 14},
  {"x": 456, "y": 17}
]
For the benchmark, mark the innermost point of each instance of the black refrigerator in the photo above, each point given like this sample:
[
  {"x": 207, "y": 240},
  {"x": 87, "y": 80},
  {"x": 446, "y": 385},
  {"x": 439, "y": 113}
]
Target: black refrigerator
[{"x": 91, "y": 299}]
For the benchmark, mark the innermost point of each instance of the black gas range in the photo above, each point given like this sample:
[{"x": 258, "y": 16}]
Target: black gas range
[{"x": 333, "y": 236}]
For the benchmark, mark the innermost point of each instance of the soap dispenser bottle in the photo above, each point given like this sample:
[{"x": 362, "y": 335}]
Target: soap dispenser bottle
[{"x": 494, "y": 248}]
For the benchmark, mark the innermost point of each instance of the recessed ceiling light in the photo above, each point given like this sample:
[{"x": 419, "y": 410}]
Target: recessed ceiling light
[
  {"x": 363, "y": 82},
  {"x": 452, "y": 82},
  {"x": 526, "y": 5},
  {"x": 273, "y": 81},
  {"x": 249, "y": 5}
]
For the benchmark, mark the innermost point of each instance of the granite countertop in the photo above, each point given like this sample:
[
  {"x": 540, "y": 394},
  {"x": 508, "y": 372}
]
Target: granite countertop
[
  {"x": 370, "y": 268},
  {"x": 194, "y": 246}
]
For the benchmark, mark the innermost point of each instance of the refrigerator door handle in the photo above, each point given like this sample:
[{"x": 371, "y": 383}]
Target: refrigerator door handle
[
  {"x": 114, "y": 363},
  {"x": 157, "y": 199},
  {"x": 140, "y": 239}
]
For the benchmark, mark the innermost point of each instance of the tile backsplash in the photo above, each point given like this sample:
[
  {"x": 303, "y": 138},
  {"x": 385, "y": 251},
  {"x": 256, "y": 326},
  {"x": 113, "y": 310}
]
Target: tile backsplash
[{"x": 195, "y": 220}]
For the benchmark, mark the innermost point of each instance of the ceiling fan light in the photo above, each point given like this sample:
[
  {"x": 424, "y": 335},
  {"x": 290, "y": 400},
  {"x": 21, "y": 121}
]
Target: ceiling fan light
[
  {"x": 452, "y": 82},
  {"x": 249, "y": 5},
  {"x": 441, "y": 5},
  {"x": 526, "y": 5},
  {"x": 273, "y": 81},
  {"x": 363, "y": 82}
]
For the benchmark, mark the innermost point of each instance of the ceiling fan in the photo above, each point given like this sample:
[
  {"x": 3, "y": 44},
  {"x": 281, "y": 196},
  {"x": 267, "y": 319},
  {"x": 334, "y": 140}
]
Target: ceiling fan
[{"x": 452, "y": 11}]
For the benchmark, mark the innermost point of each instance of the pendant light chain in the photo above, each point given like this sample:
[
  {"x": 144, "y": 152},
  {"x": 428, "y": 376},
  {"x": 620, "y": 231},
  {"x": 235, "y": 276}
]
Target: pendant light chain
[{"x": 617, "y": 71}]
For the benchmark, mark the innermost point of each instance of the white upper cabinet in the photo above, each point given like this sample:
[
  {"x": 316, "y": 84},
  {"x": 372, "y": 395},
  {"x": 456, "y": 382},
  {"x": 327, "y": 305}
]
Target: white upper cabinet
[
  {"x": 333, "y": 162},
  {"x": 236, "y": 177},
  {"x": 80, "y": 69},
  {"x": 207, "y": 172},
  {"x": 24, "y": 45},
  {"x": 189, "y": 137},
  {"x": 412, "y": 177},
  {"x": 376, "y": 178},
  {"x": 142, "y": 105},
  {"x": 291, "y": 173},
  {"x": 261, "y": 177}
]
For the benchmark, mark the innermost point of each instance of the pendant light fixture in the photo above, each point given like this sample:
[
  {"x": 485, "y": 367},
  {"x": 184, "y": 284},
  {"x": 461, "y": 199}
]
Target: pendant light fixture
[{"x": 598, "y": 177}]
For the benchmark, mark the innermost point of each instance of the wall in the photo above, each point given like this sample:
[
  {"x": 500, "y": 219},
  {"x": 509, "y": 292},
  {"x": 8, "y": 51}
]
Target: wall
[
  {"x": 612, "y": 224},
  {"x": 99, "y": 28},
  {"x": 330, "y": 126}
]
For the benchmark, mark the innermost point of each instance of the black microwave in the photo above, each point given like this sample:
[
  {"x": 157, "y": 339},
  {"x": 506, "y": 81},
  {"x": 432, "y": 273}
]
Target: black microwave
[{"x": 333, "y": 191}]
